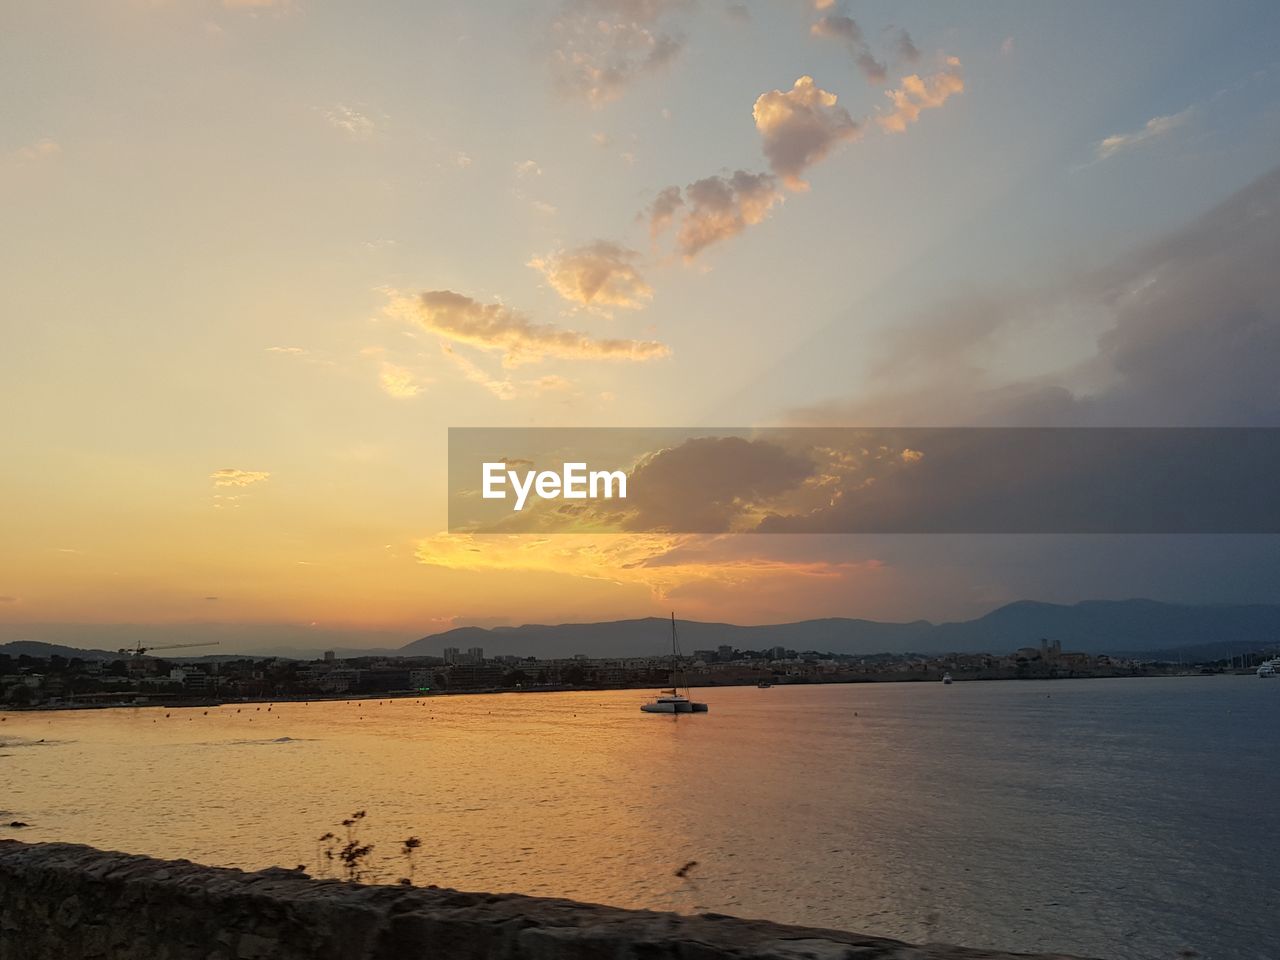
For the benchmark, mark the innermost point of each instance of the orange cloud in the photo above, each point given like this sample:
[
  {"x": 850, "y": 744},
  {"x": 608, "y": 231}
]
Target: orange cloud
[
  {"x": 497, "y": 328},
  {"x": 231, "y": 477},
  {"x": 600, "y": 274},
  {"x": 921, "y": 93},
  {"x": 660, "y": 562},
  {"x": 800, "y": 127},
  {"x": 398, "y": 382}
]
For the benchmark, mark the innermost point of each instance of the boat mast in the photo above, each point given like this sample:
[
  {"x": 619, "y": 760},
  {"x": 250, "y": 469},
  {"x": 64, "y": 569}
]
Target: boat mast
[{"x": 675, "y": 688}]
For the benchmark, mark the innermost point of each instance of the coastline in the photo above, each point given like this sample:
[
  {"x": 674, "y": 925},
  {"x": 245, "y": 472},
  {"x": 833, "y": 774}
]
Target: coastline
[{"x": 210, "y": 703}]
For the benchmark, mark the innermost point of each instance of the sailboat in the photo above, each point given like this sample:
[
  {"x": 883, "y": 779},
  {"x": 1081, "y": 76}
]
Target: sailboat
[{"x": 675, "y": 701}]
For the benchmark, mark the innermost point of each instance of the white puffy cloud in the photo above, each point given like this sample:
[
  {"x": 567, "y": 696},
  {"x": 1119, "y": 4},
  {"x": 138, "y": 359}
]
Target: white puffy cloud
[{"x": 800, "y": 127}]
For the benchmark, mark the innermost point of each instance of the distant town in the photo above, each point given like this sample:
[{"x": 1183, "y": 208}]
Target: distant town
[{"x": 138, "y": 679}]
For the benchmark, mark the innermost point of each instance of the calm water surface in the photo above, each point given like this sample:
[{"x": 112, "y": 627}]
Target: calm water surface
[{"x": 1115, "y": 818}]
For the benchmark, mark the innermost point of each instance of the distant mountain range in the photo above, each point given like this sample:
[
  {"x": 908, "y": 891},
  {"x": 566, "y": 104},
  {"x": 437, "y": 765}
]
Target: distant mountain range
[
  {"x": 1137, "y": 627},
  {"x": 1094, "y": 626}
]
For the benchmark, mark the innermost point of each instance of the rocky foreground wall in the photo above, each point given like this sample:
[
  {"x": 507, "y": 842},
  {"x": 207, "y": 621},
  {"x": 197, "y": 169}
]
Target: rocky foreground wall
[{"x": 67, "y": 902}]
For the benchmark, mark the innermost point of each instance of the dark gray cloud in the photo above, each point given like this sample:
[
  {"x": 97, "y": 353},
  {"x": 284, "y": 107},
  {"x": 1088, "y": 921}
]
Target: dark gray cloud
[
  {"x": 893, "y": 480},
  {"x": 710, "y": 484},
  {"x": 906, "y": 50},
  {"x": 846, "y": 31},
  {"x": 1192, "y": 335}
]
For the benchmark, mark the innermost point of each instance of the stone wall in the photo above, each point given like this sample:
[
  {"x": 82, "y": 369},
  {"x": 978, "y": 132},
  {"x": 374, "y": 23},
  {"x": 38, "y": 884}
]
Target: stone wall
[{"x": 66, "y": 902}]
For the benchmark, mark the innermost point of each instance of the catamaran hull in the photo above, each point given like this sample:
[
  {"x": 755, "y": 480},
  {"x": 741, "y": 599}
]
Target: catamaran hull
[{"x": 687, "y": 706}]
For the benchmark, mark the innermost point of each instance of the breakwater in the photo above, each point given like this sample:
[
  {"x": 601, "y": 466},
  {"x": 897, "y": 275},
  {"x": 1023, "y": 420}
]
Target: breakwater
[{"x": 79, "y": 903}]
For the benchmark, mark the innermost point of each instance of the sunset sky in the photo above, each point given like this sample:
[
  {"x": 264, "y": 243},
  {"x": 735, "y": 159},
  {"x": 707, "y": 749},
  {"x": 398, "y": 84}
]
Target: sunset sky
[{"x": 258, "y": 256}]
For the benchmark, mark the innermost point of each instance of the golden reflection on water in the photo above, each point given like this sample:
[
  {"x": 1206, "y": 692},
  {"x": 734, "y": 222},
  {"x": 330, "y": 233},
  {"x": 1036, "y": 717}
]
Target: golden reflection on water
[
  {"x": 567, "y": 794},
  {"x": 988, "y": 814}
]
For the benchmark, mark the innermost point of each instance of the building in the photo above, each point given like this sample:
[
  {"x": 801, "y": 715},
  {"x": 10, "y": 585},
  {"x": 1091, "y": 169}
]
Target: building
[
  {"x": 340, "y": 681},
  {"x": 422, "y": 678},
  {"x": 476, "y": 676},
  {"x": 451, "y": 655},
  {"x": 328, "y": 656},
  {"x": 475, "y": 655}
]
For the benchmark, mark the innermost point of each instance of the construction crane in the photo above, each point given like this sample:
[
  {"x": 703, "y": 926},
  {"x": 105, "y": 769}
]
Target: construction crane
[{"x": 139, "y": 650}]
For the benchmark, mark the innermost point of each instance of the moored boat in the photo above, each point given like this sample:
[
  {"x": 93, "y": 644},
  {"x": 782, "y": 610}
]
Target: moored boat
[{"x": 675, "y": 701}]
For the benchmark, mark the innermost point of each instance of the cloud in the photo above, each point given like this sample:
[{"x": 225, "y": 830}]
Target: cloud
[
  {"x": 921, "y": 93},
  {"x": 1153, "y": 129},
  {"x": 231, "y": 477},
  {"x": 398, "y": 382},
  {"x": 42, "y": 149},
  {"x": 602, "y": 46},
  {"x": 461, "y": 160},
  {"x": 704, "y": 571},
  {"x": 846, "y": 31},
  {"x": 906, "y": 49},
  {"x": 527, "y": 168},
  {"x": 600, "y": 274},
  {"x": 497, "y": 328},
  {"x": 351, "y": 121},
  {"x": 1189, "y": 329},
  {"x": 505, "y": 388},
  {"x": 254, "y": 4},
  {"x": 732, "y": 477},
  {"x": 1007, "y": 46},
  {"x": 8, "y": 599},
  {"x": 290, "y": 351},
  {"x": 800, "y": 127},
  {"x": 713, "y": 209}
]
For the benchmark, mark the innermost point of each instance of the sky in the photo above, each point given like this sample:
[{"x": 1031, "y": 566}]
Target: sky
[{"x": 259, "y": 255}]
